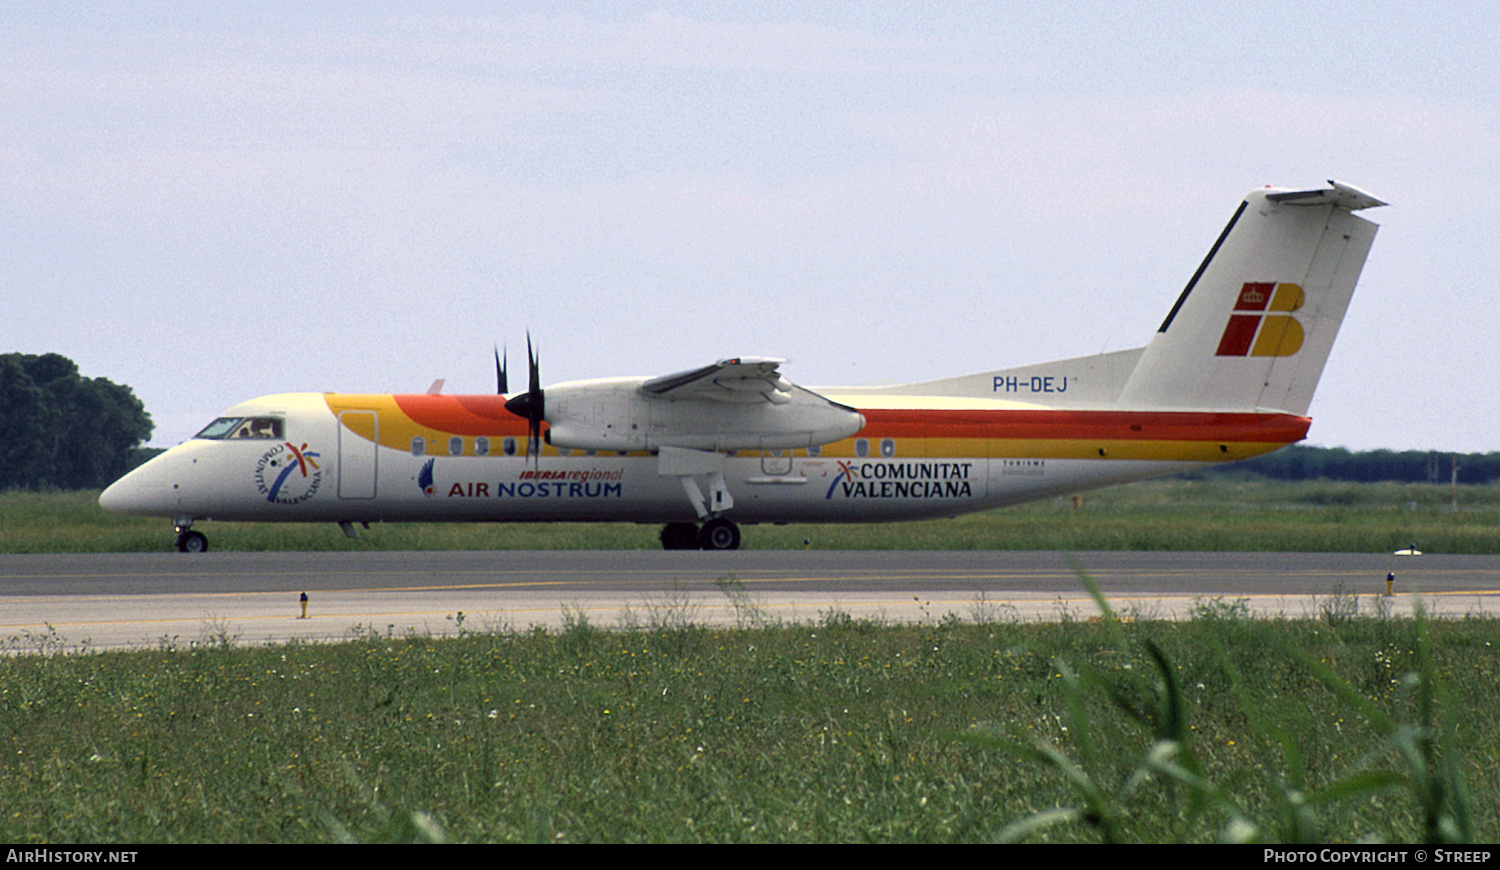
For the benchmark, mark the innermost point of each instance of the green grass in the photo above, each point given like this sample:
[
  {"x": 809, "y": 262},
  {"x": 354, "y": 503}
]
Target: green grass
[
  {"x": 1335, "y": 728},
  {"x": 1329, "y": 729},
  {"x": 1217, "y": 514}
]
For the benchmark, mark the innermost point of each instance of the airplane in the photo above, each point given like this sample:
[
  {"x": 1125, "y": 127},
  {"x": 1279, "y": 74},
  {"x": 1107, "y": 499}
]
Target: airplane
[{"x": 1229, "y": 375}]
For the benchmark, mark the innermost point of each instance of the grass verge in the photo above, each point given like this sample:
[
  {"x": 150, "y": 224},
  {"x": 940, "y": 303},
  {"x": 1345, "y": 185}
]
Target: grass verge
[
  {"x": 1340, "y": 728},
  {"x": 1217, "y": 514}
]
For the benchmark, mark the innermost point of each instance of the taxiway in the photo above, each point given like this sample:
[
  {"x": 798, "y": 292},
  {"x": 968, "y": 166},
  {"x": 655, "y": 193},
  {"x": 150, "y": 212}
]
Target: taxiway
[{"x": 134, "y": 600}]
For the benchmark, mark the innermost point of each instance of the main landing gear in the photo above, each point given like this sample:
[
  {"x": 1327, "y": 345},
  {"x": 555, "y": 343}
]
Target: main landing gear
[{"x": 717, "y": 534}]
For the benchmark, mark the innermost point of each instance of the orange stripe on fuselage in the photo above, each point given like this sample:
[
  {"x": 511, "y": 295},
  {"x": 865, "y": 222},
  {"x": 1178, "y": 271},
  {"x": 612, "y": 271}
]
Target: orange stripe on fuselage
[
  {"x": 1013, "y": 432},
  {"x": 460, "y": 415}
]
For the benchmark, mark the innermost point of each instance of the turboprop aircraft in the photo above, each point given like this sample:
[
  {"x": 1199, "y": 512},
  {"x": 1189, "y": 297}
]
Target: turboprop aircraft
[{"x": 1228, "y": 375}]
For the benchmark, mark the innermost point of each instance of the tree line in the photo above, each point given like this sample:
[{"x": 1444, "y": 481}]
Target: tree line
[
  {"x": 60, "y": 430},
  {"x": 1300, "y": 462}
]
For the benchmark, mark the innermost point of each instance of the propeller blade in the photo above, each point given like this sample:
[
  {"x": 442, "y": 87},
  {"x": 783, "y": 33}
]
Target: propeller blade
[
  {"x": 536, "y": 369},
  {"x": 538, "y": 404},
  {"x": 502, "y": 384},
  {"x": 531, "y": 404}
]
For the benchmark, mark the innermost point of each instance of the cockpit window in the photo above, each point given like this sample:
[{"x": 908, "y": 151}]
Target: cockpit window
[
  {"x": 219, "y": 428},
  {"x": 265, "y": 428}
]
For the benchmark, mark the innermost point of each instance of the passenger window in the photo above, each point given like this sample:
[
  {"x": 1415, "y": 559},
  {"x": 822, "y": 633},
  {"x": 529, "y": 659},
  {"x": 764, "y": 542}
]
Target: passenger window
[
  {"x": 418, "y": 445},
  {"x": 455, "y": 446},
  {"x": 481, "y": 446}
]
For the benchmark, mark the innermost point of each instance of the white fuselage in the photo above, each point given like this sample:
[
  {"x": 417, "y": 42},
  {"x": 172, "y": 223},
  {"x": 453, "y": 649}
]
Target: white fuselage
[{"x": 321, "y": 470}]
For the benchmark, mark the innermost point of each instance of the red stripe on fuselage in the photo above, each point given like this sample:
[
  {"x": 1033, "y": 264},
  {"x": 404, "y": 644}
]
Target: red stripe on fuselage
[{"x": 1106, "y": 425}]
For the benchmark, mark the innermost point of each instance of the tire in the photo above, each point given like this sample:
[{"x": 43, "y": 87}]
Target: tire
[
  {"x": 719, "y": 534},
  {"x": 679, "y": 536},
  {"x": 192, "y": 542}
]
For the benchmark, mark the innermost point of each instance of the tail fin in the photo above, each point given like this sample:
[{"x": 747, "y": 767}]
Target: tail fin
[{"x": 1254, "y": 326}]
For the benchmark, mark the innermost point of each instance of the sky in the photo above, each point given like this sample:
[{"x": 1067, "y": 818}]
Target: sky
[{"x": 209, "y": 202}]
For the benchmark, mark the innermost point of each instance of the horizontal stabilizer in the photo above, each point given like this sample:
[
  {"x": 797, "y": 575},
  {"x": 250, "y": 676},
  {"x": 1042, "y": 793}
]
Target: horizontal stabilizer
[{"x": 1342, "y": 195}]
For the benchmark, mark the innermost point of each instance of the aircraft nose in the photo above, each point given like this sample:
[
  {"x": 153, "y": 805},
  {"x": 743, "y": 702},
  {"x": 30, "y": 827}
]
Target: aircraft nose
[{"x": 142, "y": 492}]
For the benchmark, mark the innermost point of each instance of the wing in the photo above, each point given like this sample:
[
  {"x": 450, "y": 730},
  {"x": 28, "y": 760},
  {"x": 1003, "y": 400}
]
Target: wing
[
  {"x": 740, "y": 380},
  {"x": 735, "y": 404}
]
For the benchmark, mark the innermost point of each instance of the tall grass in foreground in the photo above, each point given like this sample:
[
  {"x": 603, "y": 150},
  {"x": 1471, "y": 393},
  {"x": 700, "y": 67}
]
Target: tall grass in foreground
[
  {"x": 1336, "y": 727},
  {"x": 1213, "y": 514},
  {"x": 1427, "y": 768}
]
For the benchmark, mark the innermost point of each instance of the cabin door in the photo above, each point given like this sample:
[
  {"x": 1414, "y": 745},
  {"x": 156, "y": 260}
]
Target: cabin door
[{"x": 359, "y": 433}]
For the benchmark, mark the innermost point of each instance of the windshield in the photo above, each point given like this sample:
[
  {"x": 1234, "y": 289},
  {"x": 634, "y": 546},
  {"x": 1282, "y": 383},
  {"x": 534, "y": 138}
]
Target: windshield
[{"x": 268, "y": 428}]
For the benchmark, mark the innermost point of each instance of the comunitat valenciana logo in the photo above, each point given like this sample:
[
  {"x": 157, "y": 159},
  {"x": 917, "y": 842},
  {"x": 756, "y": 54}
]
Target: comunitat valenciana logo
[
  {"x": 1262, "y": 323},
  {"x": 288, "y": 474}
]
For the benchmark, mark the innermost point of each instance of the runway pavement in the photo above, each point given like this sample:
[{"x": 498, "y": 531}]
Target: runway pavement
[{"x": 145, "y": 600}]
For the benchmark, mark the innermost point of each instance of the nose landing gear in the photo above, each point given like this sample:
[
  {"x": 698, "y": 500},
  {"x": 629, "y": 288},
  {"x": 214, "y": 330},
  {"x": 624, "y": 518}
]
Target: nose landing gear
[{"x": 189, "y": 541}]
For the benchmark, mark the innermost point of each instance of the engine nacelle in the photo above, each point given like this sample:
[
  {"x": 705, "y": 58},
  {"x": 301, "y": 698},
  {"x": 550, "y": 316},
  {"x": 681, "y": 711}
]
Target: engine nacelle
[{"x": 617, "y": 414}]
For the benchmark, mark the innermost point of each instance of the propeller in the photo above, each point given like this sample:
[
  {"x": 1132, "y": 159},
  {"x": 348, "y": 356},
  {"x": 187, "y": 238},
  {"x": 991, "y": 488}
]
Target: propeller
[
  {"x": 531, "y": 404},
  {"x": 502, "y": 383}
]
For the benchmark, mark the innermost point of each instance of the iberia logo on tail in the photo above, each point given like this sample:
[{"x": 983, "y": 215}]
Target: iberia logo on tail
[{"x": 1253, "y": 332}]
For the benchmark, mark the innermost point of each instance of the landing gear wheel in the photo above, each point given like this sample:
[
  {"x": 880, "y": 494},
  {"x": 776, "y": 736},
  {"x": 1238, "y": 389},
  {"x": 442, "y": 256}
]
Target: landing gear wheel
[
  {"x": 192, "y": 542},
  {"x": 719, "y": 534},
  {"x": 679, "y": 536}
]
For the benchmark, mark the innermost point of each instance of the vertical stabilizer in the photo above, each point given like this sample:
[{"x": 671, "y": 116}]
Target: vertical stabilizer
[{"x": 1254, "y": 326}]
